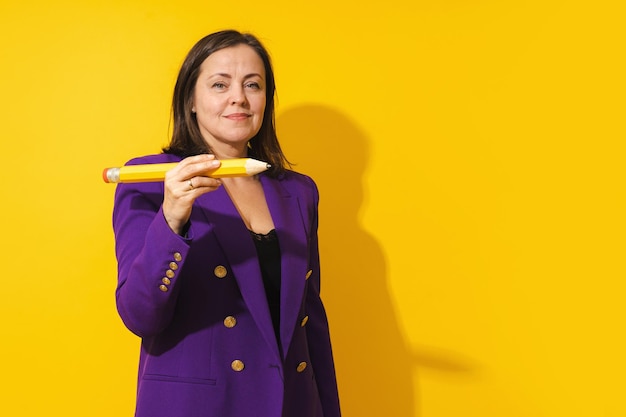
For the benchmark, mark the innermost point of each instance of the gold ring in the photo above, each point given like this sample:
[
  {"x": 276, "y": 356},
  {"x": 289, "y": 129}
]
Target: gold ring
[{"x": 191, "y": 187}]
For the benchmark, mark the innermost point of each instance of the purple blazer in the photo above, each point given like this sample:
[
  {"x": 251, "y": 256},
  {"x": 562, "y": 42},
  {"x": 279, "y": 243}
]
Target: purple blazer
[{"x": 208, "y": 347}]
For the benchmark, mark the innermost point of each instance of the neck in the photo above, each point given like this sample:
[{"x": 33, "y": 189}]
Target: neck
[{"x": 229, "y": 152}]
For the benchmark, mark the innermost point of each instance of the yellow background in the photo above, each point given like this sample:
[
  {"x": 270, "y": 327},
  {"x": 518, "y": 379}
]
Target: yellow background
[{"x": 470, "y": 156}]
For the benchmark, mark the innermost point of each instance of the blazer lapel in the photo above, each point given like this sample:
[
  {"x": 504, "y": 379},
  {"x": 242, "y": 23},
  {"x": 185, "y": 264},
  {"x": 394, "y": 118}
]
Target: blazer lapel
[
  {"x": 240, "y": 251},
  {"x": 288, "y": 221}
]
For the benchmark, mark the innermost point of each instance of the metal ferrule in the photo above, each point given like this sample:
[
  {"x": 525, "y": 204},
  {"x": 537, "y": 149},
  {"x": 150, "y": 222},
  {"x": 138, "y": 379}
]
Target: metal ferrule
[{"x": 113, "y": 174}]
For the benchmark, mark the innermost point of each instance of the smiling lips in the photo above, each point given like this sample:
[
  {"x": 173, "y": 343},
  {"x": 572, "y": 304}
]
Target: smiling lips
[{"x": 237, "y": 116}]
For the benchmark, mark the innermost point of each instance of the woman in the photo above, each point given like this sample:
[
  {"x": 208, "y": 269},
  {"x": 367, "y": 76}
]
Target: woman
[{"x": 220, "y": 278}]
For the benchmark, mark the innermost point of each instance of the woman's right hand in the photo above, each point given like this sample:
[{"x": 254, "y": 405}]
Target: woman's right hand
[{"x": 183, "y": 184}]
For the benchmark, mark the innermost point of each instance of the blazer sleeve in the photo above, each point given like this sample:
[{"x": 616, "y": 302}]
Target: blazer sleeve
[
  {"x": 150, "y": 258},
  {"x": 318, "y": 333}
]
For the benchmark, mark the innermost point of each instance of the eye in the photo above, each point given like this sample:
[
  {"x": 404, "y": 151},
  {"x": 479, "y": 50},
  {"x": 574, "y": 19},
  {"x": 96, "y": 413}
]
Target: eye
[
  {"x": 253, "y": 85},
  {"x": 219, "y": 85}
]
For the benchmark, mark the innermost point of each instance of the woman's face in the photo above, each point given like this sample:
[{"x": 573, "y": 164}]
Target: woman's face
[{"x": 229, "y": 99}]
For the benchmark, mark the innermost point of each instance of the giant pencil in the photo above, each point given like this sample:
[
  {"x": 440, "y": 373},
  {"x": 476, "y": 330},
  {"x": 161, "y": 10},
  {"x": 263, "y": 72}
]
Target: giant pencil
[{"x": 236, "y": 167}]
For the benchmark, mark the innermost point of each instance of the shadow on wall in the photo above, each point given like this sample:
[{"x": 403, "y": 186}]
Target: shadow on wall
[{"x": 374, "y": 366}]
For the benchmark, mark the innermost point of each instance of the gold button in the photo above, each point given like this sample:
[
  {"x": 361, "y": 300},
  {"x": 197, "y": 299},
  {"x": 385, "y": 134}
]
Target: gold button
[
  {"x": 230, "y": 322},
  {"x": 163, "y": 288},
  {"x": 304, "y": 320},
  {"x": 173, "y": 266},
  {"x": 301, "y": 367},
  {"x": 308, "y": 274},
  {"x": 169, "y": 273},
  {"x": 220, "y": 271},
  {"x": 166, "y": 281},
  {"x": 178, "y": 256},
  {"x": 237, "y": 365}
]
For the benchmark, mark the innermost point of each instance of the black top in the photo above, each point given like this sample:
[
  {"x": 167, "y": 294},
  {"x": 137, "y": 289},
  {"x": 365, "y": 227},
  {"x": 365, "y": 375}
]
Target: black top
[{"x": 268, "y": 251}]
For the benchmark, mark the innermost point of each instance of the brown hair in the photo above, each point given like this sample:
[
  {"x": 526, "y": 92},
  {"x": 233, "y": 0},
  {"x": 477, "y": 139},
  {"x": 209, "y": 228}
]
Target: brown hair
[{"x": 186, "y": 137}]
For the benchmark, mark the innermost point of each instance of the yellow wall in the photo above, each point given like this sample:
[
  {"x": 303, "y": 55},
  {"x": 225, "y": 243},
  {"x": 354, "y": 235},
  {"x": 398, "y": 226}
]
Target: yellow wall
[{"x": 470, "y": 156}]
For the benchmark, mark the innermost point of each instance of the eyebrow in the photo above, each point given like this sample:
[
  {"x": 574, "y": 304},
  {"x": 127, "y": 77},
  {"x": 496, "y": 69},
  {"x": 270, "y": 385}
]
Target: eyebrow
[{"x": 225, "y": 75}]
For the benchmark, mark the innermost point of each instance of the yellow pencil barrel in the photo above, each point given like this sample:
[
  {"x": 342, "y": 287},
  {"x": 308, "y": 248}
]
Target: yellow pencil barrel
[{"x": 235, "y": 167}]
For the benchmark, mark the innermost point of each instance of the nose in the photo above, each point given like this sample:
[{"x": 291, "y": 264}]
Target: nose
[{"x": 238, "y": 96}]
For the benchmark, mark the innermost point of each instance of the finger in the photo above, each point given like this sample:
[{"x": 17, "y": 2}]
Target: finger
[
  {"x": 199, "y": 182},
  {"x": 195, "y": 166}
]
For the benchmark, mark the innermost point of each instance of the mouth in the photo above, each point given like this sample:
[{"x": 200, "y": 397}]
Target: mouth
[{"x": 238, "y": 116}]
